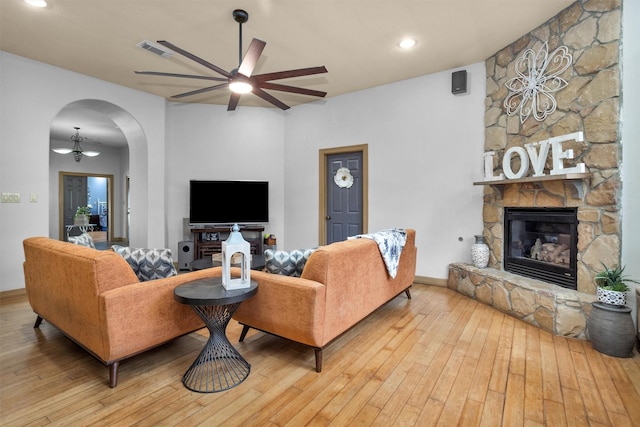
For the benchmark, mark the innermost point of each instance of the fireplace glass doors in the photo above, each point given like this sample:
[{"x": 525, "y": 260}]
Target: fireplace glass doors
[{"x": 541, "y": 243}]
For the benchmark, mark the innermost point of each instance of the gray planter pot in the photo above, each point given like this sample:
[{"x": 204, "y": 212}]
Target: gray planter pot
[
  {"x": 81, "y": 220},
  {"x": 611, "y": 329}
]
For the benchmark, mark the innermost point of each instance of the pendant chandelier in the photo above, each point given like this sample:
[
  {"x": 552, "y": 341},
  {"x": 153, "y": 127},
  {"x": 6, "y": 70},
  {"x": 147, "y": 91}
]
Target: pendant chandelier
[{"x": 77, "y": 151}]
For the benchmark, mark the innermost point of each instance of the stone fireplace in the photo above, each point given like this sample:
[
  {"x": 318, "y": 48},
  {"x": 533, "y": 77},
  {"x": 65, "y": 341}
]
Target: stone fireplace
[{"x": 590, "y": 103}]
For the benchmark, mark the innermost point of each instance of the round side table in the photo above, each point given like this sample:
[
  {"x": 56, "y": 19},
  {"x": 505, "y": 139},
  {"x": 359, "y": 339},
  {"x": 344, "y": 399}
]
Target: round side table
[{"x": 219, "y": 366}]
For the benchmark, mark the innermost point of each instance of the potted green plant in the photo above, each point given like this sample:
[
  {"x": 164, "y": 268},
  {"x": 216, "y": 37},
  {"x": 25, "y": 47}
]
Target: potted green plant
[
  {"x": 612, "y": 287},
  {"x": 82, "y": 215},
  {"x": 610, "y": 326}
]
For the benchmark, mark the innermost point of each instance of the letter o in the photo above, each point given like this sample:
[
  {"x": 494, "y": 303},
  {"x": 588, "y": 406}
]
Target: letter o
[{"x": 506, "y": 163}]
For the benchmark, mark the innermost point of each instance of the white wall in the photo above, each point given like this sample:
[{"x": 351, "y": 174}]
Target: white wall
[
  {"x": 422, "y": 163},
  {"x": 425, "y": 150},
  {"x": 31, "y": 94},
  {"x": 207, "y": 142},
  {"x": 631, "y": 144}
]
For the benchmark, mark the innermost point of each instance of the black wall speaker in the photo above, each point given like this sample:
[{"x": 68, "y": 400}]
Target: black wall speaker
[
  {"x": 185, "y": 254},
  {"x": 459, "y": 81}
]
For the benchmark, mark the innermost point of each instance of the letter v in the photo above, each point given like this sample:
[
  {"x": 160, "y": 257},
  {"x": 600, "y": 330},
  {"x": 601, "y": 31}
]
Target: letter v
[{"x": 538, "y": 159}]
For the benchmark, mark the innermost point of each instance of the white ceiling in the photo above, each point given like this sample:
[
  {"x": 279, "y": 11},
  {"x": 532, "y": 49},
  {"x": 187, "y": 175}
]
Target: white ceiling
[{"x": 357, "y": 40}]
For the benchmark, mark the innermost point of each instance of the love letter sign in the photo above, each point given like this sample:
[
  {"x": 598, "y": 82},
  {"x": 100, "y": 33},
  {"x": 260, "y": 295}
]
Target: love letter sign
[{"x": 535, "y": 153}]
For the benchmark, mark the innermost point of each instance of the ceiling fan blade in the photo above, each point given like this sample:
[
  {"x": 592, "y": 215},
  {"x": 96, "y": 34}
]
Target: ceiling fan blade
[
  {"x": 203, "y": 90},
  {"x": 270, "y": 98},
  {"x": 195, "y": 58},
  {"x": 233, "y": 101},
  {"x": 292, "y": 89},
  {"x": 290, "y": 73},
  {"x": 251, "y": 57},
  {"x": 187, "y": 76}
]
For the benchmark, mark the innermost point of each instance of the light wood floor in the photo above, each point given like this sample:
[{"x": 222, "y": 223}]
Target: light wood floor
[{"x": 438, "y": 359}]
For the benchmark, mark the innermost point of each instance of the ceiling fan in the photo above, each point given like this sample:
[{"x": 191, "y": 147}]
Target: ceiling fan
[{"x": 240, "y": 80}]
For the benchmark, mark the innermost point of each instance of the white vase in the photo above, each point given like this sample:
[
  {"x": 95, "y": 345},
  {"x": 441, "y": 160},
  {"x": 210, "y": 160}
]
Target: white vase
[{"x": 480, "y": 252}]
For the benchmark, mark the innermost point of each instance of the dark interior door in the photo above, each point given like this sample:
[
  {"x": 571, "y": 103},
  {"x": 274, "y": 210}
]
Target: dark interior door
[
  {"x": 344, "y": 204},
  {"x": 75, "y": 195}
]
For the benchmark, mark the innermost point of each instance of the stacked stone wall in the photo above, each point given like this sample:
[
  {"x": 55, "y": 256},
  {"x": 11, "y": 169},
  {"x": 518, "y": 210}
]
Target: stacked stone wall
[{"x": 591, "y": 102}]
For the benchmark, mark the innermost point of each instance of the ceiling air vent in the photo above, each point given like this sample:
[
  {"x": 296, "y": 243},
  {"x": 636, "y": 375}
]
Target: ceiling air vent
[{"x": 154, "y": 48}]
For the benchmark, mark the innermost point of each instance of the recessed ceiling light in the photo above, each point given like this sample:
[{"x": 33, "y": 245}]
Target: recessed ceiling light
[
  {"x": 37, "y": 3},
  {"x": 407, "y": 43}
]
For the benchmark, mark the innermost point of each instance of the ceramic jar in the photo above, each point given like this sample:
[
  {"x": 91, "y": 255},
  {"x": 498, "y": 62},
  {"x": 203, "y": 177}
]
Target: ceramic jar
[
  {"x": 611, "y": 329},
  {"x": 480, "y": 252}
]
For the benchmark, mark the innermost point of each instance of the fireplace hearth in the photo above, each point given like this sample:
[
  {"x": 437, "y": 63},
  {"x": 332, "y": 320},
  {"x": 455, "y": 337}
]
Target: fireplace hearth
[{"x": 541, "y": 243}]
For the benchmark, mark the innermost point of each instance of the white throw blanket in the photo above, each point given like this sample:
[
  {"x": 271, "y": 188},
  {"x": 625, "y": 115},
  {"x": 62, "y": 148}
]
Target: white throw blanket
[{"x": 390, "y": 242}]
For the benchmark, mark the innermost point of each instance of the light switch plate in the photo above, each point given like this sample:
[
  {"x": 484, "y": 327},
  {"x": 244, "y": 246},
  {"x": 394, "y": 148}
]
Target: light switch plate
[{"x": 10, "y": 197}]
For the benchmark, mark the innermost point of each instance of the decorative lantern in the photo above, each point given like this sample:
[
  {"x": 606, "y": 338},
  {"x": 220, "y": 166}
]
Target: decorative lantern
[{"x": 236, "y": 244}]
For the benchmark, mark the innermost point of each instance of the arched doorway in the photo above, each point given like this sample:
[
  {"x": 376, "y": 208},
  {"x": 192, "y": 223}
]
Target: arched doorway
[{"x": 110, "y": 130}]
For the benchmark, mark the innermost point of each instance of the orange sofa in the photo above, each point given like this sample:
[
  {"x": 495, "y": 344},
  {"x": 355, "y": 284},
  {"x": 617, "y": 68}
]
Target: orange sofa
[
  {"x": 340, "y": 285},
  {"x": 96, "y": 300}
]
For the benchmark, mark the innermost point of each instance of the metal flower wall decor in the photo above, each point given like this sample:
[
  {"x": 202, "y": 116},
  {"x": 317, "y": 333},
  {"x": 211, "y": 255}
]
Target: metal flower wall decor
[{"x": 531, "y": 92}]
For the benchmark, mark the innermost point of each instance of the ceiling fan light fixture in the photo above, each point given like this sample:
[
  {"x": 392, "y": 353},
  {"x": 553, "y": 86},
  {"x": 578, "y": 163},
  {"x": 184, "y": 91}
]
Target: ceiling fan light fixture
[
  {"x": 242, "y": 80},
  {"x": 240, "y": 86},
  {"x": 61, "y": 150},
  {"x": 77, "y": 151}
]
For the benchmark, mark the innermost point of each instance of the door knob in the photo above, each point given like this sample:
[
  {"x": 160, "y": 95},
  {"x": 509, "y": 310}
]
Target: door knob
[{"x": 327, "y": 217}]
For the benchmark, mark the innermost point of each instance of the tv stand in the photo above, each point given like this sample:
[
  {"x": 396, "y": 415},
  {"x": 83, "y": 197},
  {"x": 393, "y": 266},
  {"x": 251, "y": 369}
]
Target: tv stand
[{"x": 207, "y": 240}]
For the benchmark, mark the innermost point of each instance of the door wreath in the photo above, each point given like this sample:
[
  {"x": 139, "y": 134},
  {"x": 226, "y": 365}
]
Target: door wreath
[{"x": 343, "y": 178}]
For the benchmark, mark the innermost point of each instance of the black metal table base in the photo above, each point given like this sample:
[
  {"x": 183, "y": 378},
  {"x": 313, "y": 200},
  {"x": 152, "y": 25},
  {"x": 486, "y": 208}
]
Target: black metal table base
[{"x": 219, "y": 366}]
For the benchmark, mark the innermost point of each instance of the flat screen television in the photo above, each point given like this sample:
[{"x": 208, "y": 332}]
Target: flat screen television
[{"x": 228, "y": 202}]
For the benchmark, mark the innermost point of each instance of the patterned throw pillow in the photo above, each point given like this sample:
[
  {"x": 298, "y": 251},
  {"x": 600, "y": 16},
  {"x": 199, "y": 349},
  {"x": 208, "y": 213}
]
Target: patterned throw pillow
[
  {"x": 84, "y": 239},
  {"x": 148, "y": 264},
  {"x": 287, "y": 263}
]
